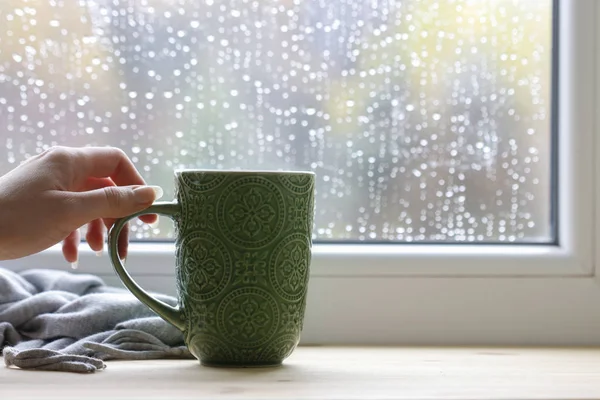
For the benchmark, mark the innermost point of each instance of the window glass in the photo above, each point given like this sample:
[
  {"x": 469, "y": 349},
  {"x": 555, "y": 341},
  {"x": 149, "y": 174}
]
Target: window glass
[{"x": 423, "y": 120}]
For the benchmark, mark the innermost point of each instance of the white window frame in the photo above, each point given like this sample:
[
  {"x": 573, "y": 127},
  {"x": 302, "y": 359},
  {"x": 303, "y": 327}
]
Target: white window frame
[{"x": 454, "y": 294}]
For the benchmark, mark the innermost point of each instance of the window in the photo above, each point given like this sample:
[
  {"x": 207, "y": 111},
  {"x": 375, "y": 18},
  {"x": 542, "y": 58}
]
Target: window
[
  {"x": 450, "y": 193},
  {"x": 425, "y": 121}
]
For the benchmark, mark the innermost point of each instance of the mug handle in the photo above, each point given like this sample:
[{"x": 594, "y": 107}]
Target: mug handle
[{"x": 169, "y": 313}]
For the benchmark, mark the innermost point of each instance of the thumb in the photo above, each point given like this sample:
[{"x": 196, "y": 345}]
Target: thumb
[{"x": 117, "y": 201}]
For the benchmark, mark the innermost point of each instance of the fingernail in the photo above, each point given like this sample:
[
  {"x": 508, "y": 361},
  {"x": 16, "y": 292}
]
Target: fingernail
[
  {"x": 75, "y": 264},
  {"x": 155, "y": 224},
  {"x": 99, "y": 253},
  {"x": 147, "y": 194}
]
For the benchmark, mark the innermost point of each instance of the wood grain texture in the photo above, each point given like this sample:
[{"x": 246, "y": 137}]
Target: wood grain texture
[{"x": 336, "y": 373}]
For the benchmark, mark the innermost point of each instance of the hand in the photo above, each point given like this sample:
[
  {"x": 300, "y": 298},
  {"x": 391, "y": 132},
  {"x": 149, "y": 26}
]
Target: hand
[{"x": 50, "y": 196}]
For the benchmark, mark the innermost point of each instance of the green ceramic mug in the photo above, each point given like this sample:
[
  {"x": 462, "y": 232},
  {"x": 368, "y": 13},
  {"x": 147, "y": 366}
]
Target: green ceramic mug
[{"x": 243, "y": 252}]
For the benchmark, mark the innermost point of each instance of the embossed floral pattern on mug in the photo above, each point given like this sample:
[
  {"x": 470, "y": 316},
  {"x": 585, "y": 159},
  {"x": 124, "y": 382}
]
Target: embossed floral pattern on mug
[
  {"x": 298, "y": 213},
  {"x": 250, "y": 267},
  {"x": 291, "y": 317},
  {"x": 204, "y": 208},
  {"x": 206, "y": 266},
  {"x": 248, "y": 317},
  {"x": 262, "y": 228},
  {"x": 288, "y": 268},
  {"x": 251, "y": 212},
  {"x": 297, "y": 183}
]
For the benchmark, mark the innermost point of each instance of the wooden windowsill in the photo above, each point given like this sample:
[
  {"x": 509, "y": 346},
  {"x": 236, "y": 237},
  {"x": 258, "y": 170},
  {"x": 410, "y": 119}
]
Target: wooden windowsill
[{"x": 336, "y": 372}]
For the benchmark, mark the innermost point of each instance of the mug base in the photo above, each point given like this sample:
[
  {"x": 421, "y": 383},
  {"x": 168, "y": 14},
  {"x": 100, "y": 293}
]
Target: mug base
[{"x": 213, "y": 364}]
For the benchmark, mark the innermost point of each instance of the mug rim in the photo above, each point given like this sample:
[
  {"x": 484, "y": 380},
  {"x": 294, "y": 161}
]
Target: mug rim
[{"x": 190, "y": 171}]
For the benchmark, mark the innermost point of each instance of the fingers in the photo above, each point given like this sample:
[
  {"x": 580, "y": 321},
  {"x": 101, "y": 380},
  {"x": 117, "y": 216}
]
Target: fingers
[
  {"x": 109, "y": 203},
  {"x": 95, "y": 235},
  {"x": 105, "y": 162},
  {"x": 96, "y": 197},
  {"x": 104, "y": 167},
  {"x": 103, "y": 185},
  {"x": 70, "y": 247},
  {"x": 95, "y": 239},
  {"x": 100, "y": 183},
  {"x": 113, "y": 201}
]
